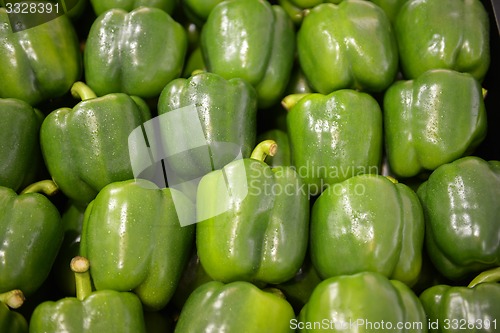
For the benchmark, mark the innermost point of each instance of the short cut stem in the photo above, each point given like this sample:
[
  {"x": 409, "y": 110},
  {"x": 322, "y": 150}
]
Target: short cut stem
[
  {"x": 47, "y": 187},
  {"x": 14, "y": 298},
  {"x": 82, "y": 91},
  {"x": 80, "y": 266},
  {"x": 264, "y": 149}
]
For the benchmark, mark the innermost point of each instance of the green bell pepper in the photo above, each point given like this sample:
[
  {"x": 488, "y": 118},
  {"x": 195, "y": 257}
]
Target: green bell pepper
[
  {"x": 11, "y": 321},
  {"x": 423, "y": 116},
  {"x": 89, "y": 312},
  {"x": 142, "y": 247},
  {"x": 251, "y": 40},
  {"x": 39, "y": 63},
  {"x": 19, "y": 143},
  {"x": 334, "y": 137},
  {"x": 103, "y": 124},
  {"x": 101, "y": 6},
  {"x": 445, "y": 34},
  {"x": 363, "y": 302},
  {"x": 30, "y": 236},
  {"x": 223, "y": 127},
  {"x": 254, "y": 220},
  {"x": 474, "y": 308},
  {"x": 461, "y": 202},
  {"x": 350, "y": 45},
  {"x": 235, "y": 307},
  {"x": 136, "y": 53},
  {"x": 376, "y": 223}
]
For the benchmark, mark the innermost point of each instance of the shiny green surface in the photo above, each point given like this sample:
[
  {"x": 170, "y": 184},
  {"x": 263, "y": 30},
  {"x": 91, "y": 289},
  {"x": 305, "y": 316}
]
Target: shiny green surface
[
  {"x": 102, "y": 311},
  {"x": 103, "y": 125},
  {"x": 375, "y": 223},
  {"x": 434, "y": 119},
  {"x": 254, "y": 222},
  {"x": 334, "y": 137},
  {"x": 19, "y": 143},
  {"x": 136, "y": 53},
  {"x": 226, "y": 116},
  {"x": 132, "y": 237},
  {"x": 251, "y": 40},
  {"x": 350, "y": 45},
  {"x": 474, "y": 308},
  {"x": 461, "y": 202},
  {"x": 447, "y": 34},
  {"x": 12, "y": 322},
  {"x": 39, "y": 63},
  {"x": 31, "y": 233},
  {"x": 234, "y": 307},
  {"x": 362, "y": 302}
]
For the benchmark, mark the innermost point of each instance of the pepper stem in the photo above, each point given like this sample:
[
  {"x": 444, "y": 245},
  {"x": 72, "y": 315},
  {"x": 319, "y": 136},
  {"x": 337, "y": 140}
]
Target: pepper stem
[
  {"x": 80, "y": 266},
  {"x": 492, "y": 275},
  {"x": 392, "y": 179},
  {"x": 264, "y": 149},
  {"x": 14, "y": 298},
  {"x": 47, "y": 187},
  {"x": 82, "y": 91},
  {"x": 289, "y": 101}
]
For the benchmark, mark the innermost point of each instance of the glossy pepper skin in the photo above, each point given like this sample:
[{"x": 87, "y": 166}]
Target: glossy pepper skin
[
  {"x": 350, "y": 45},
  {"x": 132, "y": 236},
  {"x": 255, "y": 227},
  {"x": 11, "y": 321},
  {"x": 19, "y": 143},
  {"x": 31, "y": 233},
  {"x": 334, "y": 137},
  {"x": 251, "y": 40},
  {"x": 103, "y": 124},
  {"x": 38, "y": 63},
  {"x": 449, "y": 34},
  {"x": 226, "y": 117},
  {"x": 361, "y": 300},
  {"x": 474, "y": 308},
  {"x": 423, "y": 116},
  {"x": 136, "y": 53},
  {"x": 377, "y": 224},
  {"x": 101, "y": 6},
  {"x": 234, "y": 307},
  {"x": 89, "y": 312},
  {"x": 461, "y": 202}
]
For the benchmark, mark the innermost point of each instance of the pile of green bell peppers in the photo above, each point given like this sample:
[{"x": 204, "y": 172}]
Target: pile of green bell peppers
[{"x": 249, "y": 166}]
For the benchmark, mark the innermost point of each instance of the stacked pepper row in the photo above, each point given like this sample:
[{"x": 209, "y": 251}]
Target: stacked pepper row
[{"x": 203, "y": 160}]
